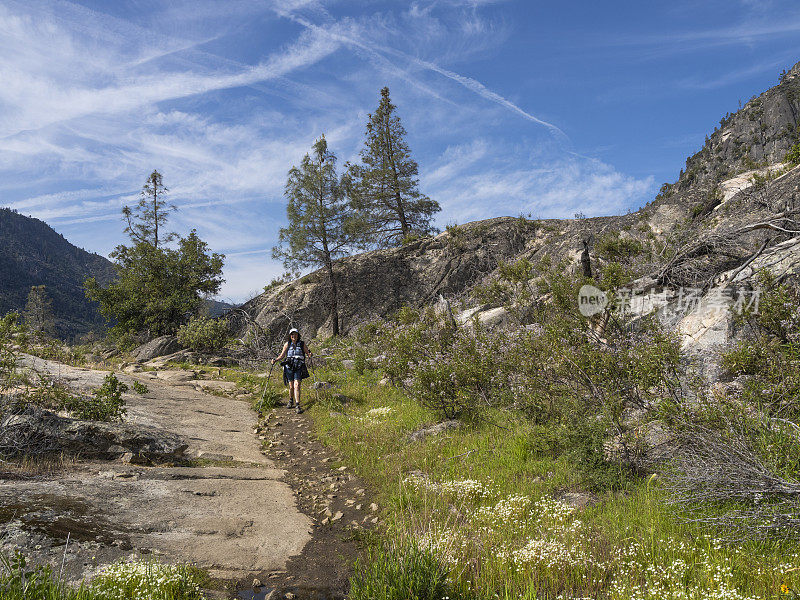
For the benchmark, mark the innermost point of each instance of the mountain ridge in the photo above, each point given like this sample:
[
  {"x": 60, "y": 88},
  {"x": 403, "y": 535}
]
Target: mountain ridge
[
  {"x": 33, "y": 253},
  {"x": 452, "y": 263}
]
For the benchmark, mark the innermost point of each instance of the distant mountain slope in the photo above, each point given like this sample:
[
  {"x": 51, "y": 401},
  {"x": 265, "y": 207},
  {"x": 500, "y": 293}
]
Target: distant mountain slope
[
  {"x": 32, "y": 253},
  {"x": 216, "y": 308}
]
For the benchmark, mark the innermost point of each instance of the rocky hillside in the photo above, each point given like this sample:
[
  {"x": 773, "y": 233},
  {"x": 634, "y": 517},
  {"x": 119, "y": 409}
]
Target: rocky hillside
[
  {"x": 32, "y": 253},
  {"x": 757, "y": 135},
  {"x": 695, "y": 230}
]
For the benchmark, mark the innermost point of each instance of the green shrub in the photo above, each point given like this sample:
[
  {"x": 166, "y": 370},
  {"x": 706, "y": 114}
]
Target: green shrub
[
  {"x": 793, "y": 156},
  {"x": 768, "y": 360},
  {"x": 457, "y": 237},
  {"x": 203, "y": 334},
  {"x": 359, "y": 360},
  {"x": 12, "y": 335},
  {"x": 410, "y": 574},
  {"x": 18, "y": 581},
  {"x": 268, "y": 399},
  {"x": 140, "y": 388},
  {"x": 557, "y": 371},
  {"x": 597, "y": 473},
  {"x": 613, "y": 247},
  {"x": 106, "y": 404},
  {"x": 54, "y": 395}
]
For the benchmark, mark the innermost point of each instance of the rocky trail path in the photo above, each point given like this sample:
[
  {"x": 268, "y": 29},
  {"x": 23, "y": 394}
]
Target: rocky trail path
[{"x": 230, "y": 509}]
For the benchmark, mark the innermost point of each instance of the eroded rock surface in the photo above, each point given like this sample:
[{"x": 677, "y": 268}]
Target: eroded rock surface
[{"x": 234, "y": 518}]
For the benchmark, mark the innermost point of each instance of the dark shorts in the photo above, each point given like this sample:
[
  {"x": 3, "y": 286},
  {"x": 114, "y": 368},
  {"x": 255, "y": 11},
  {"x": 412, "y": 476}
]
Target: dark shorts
[{"x": 290, "y": 375}]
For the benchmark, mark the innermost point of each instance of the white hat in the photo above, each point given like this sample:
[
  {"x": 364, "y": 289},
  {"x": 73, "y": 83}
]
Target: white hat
[{"x": 293, "y": 330}]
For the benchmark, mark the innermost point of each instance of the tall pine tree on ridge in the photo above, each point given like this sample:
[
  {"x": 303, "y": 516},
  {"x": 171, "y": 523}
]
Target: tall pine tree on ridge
[{"x": 384, "y": 189}]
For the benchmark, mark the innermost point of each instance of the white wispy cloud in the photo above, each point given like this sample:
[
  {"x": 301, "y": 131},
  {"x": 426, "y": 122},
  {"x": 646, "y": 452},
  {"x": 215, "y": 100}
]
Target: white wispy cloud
[
  {"x": 351, "y": 33},
  {"x": 470, "y": 187},
  {"x": 54, "y": 102},
  {"x": 91, "y": 103}
]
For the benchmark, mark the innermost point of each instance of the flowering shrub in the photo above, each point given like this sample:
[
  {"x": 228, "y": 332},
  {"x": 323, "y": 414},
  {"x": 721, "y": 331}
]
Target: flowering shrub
[
  {"x": 147, "y": 580},
  {"x": 543, "y": 548},
  {"x": 119, "y": 581}
]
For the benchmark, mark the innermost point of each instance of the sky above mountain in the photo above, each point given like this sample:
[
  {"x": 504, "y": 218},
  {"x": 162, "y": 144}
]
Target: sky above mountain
[{"x": 517, "y": 106}]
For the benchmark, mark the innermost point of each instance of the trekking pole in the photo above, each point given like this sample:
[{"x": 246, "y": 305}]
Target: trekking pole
[
  {"x": 314, "y": 373},
  {"x": 266, "y": 383}
]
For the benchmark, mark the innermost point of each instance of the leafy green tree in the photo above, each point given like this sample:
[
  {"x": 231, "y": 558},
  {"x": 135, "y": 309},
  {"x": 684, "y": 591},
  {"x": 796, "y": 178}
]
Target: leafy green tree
[
  {"x": 38, "y": 312},
  {"x": 321, "y": 226},
  {"x": 385, "y": 188},
  {"x": 157, "y": 288}
]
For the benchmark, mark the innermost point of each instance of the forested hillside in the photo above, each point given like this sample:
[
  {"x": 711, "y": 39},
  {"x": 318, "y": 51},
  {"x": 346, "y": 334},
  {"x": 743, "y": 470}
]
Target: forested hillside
[{"x": 32, "y": 253}]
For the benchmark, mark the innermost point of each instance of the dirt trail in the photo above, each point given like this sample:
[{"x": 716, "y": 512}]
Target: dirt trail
[{"x": 234, "y": 517}]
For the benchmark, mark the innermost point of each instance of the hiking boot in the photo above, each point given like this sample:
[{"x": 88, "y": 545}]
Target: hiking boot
[
  {"x": 298, "y": 410},
  {"x": 291, "y": 404}
]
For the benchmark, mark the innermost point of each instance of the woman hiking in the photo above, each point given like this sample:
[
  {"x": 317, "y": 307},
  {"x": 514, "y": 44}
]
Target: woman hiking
[{"x": 294, "y": 367}]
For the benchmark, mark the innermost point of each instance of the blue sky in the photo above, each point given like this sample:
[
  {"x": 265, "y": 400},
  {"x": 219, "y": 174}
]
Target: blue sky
[{"x": 515, "y": 106}]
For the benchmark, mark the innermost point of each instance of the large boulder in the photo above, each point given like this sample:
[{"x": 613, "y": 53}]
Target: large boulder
[
  {"x": 160, "y": 346},
  {"x": 40, "y": 430}
]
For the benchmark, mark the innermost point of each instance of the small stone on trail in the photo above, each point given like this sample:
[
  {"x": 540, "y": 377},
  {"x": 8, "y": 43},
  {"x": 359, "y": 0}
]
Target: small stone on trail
[
  {"x": 373, "y": 507},
  {"x": 337, "y": 516},
  {"x": 257, "y": 583}
]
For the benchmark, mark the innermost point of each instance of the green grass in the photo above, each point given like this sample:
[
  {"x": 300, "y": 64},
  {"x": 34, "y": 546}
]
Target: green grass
[
  {"x": 119, "y": 581},
  {"x": 486, "y": 510}
]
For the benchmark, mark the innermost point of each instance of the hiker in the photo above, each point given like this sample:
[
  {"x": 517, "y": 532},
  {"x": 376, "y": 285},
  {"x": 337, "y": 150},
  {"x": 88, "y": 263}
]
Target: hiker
[{"x": 294, "y": 367}]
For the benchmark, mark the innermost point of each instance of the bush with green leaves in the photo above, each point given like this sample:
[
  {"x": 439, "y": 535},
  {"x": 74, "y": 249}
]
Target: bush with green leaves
[
  {"x": 204, "y": 334},
  {"x": 105, "y": 404},
  {"x": 13, "y": 335},
  {"x": 768, "y": 359},
  {"x": 140, "y": 388},
  {"x": 612, "y": 246},
  {"x": 738, "y": 450},
  {"x": 562, "y": 369}
]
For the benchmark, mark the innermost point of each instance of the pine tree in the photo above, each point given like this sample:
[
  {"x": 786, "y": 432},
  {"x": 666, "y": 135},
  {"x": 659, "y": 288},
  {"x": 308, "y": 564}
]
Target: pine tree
[
  {"x": 320, "y": 223},
  {"x": 385, "y": 188},
  {"x": 38, "y": 312},
  {"x": 147, "y": 219}
]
